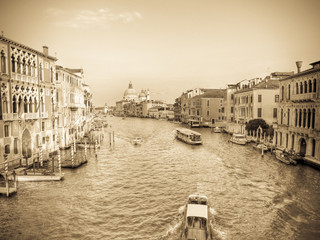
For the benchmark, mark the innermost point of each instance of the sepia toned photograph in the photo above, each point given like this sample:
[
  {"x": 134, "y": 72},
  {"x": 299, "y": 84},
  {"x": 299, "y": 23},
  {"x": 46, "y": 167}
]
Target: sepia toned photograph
[{"x": 159, "y": 120}]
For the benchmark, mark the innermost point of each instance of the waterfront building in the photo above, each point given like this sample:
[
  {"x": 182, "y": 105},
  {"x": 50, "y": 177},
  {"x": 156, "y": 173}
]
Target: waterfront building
[
  {"x": 206, "y": 108},
  {"x": 298, "y": 125},
  {"x": 257, "y": 99},
  {"x": 177, "y": 109},
  {"x": 27, "y": 97},
  {"x": 71, "y": 105}
]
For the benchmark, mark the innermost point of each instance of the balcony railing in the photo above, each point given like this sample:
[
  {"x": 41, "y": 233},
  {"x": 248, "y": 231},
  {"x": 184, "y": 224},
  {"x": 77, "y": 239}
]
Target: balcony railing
[
  {"x": 304, "y": 96},
  {"x": 44, "y": 115},
  {"x": 10, "y": 116},
  {"x": 30, "y": 116},
  {"x": 24, "y": 78}
]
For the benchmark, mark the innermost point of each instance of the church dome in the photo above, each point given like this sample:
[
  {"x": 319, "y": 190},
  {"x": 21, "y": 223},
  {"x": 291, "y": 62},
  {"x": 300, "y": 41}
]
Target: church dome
[
  {"x": 130, "y": 93},
  {"x": 142, "y": 95}
]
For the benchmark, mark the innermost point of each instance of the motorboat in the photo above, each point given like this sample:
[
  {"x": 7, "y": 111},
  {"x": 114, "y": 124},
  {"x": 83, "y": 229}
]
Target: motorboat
[
  {"x": 137, "y": 141},
  {"x": 217, "y": 130},
  {"x": 238, "y": 138},
  {"x": 285, "y": 157},
  {"x": 196, "y": 222},
  {"x": 260, "y": 146},
  {"x": 188, "y": 136}
]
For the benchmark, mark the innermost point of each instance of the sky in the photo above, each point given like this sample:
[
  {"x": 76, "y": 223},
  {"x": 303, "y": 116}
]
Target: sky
[{"x": 167, "y": 46}]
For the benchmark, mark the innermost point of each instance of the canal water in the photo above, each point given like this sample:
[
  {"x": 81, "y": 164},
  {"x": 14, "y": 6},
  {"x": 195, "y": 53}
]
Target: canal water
[{"x": 138, "y": 192}]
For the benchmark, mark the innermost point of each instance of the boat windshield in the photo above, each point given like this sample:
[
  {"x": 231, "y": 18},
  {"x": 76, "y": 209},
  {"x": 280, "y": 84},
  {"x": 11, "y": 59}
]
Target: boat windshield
[
  {"x": 195, "y": 137},
  {"x": 197, "y": 222}
]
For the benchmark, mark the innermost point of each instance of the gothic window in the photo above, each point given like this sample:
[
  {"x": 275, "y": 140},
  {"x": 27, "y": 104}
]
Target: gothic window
[
  {"x": 29, "y": 68},
  {"x": 300, "y": 117},
  {"x": 25, "y": 105},
  {"x": 314, "y": 85},
  {"x": 305, "y": 87},
  {"x": 14, "y": 104},
  {"x": 304, "y": 117},
  {"x": 13, "y": 64},
  {"x": 288, "y": 122},
  {"x": 30, "y": 106},
  {"x": 5, "y": 106},
  {"x": 289, "y": 91},
  {"x": 301, "y": 87},
  {"x": 297, "y": 88},
  {"x": 51, "y": 74},
  {"x": 281, "y": 116},
  {"x": 19, "y": 65},
  {"x": 3, "y": 62},
  {"x": 309, "y": 118},
  {"x": 282, "y": 93},
  {"x": 40, "y": 71},
  {"x": 296, "y": 119},
  {"x": 310, "y": 86},
  {"x": 24, "y": 67},
  {"x": 313, "y": 118},
  {"x": 6, "y": 130},
  {"x": 7, "y": 149}
]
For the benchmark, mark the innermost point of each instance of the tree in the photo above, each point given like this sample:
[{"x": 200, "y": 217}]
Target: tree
[{"x": 253, "y": 125}]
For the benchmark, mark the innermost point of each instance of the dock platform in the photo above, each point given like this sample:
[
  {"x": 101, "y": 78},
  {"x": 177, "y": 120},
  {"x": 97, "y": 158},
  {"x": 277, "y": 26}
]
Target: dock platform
[{"x": 12, "y": 190}]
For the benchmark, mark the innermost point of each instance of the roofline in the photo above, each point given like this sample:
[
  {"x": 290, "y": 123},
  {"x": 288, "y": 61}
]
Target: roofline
[
  {"x": 308, "y": 71},
  {"x": 27, "y": 48}
]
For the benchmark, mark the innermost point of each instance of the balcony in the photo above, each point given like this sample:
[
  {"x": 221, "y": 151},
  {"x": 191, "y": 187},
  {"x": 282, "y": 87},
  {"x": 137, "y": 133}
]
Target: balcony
[
  {"x": 44, "y": 115},
  {"x": 304, "y": 97},
  {"x": 28, "y": 116},
  {"x": 9, "y": 116},
  {"x": 24, "y": 78}
]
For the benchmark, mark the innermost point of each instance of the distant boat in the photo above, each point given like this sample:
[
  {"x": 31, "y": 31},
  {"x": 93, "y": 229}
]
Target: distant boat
[
  {"x": 196, "y": 222},
  {"x": 137, "y": 141},
  {"x": 217, "y": 130},
  {"x": 238, "y": 138},
  {"x": 188, "y": 136}
]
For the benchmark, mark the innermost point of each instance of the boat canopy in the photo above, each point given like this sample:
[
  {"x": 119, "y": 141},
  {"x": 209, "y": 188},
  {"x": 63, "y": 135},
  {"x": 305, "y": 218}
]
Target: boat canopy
[
  {"x": 186, "y": 131},
  {"x": 197, "y": 210}
]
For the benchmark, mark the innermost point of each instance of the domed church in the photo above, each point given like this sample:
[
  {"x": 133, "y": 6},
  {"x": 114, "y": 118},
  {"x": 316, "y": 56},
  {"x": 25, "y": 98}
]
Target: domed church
[{"x": 130, "y": 94}]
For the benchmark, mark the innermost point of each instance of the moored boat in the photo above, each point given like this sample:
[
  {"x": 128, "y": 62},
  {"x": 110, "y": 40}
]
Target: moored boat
[
  {"x": 196, "y": 222},
  {"x": 284, "y": 157},
  {"x": 217, "y": 130},
  {"x": 238, "y": 138},
  {"x": 188, "y": 136}
]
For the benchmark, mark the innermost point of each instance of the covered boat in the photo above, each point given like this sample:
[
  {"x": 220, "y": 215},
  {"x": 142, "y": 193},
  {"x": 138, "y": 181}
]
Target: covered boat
[
  {"x": 137, "y": 141},
  {"x": 238, "y": 138},
  {"x": 196, "y": 219},
  {"x": 217, "y": 130},
  {"x": 188, "y": 136}
]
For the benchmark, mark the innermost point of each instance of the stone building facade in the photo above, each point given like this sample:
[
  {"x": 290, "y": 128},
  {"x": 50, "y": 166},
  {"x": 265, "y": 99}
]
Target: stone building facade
[
  {"x": 27, "y": 96},
  {"x": 298, "y": 127}
]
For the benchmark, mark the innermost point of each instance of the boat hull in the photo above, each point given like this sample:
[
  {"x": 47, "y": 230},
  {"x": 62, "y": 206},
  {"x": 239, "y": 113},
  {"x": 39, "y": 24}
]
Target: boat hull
[{"x": 39, "y": 178}]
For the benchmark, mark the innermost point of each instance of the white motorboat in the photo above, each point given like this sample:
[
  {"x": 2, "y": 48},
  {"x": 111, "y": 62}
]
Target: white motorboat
[
  {"x": 137, "y": 141},
  {"x": 238, "y": 138},
  {"x": 196, "y": 222},
  {"x": 217, "y": 130},
  {"x": 188, "y": 136},
  {"x": 260, "y": 146}
]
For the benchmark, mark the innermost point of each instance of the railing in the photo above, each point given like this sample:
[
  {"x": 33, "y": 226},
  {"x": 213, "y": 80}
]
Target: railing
[
  {"x": 44, "y": 115},
  {"x": 24, "y": 78},
  {"x": 304, "y": 96},
  {"x": 30, "y": 115},
  {"x": 10, "y": 116}
]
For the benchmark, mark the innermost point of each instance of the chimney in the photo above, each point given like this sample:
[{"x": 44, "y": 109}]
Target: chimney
[
  {"x": 45, "y": 50},
  {"x": 299, "y": 64}
]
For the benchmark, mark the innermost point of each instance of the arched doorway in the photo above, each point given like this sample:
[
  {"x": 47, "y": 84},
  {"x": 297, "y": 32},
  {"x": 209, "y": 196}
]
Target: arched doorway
[
  {"x": 26, "y": 144},
  {"x": 303, "y": 146}
]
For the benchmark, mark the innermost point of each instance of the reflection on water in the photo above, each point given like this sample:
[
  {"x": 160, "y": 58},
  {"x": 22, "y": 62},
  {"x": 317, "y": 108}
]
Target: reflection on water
[{"x": 139, "y": 191}]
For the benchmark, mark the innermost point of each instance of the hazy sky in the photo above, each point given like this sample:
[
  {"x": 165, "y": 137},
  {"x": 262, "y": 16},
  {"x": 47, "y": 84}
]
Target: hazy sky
[{"x": 168, "y": 46}]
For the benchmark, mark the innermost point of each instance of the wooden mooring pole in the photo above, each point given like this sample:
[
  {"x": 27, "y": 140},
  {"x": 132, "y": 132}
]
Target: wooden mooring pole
[{"x": 6, "y": 167}]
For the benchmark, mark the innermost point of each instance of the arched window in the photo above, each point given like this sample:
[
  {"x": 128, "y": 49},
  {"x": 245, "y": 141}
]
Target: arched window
[
  {"x": 305, "y": 87},
  {"x": 19, "y": 65},
  {"x": 282, "y": 93},
  {"x": 304, "y": 118},
  {"x": 314, "y": 85},
  {"x": 25, "y": 105},
  {"x": 296, "y": 120},
  {"x": 51, "y": 74},
  {"x": 288, "y": 122},
  {"x": 281, "y": 116},
  {"x": 309, "y": 118},
  {"x": 313, "y": 118},
  {"x": 301, "y": 87},
  {"x": 300, "y": 117},
  {"x": 13, "y": 64},
  {"x": 276, "y": 138},
  {"x": 297, "y": 88},
  {"x": 40, "y": 71},
  {"x": 310, "y": 86},
  {"x": 292, "y": 142},
  {"x": 14, "y": 104},
  {"x": 289, "y": 91},
  {"x": 24, "y": 67},
  {"x": 313, "y": 148},
  {"x": 3, "y": 63},
  {"x": 29, "y": 68}
]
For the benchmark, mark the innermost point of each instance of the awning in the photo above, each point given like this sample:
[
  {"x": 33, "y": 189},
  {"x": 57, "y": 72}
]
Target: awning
[{"x": 197, "y": 210}]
